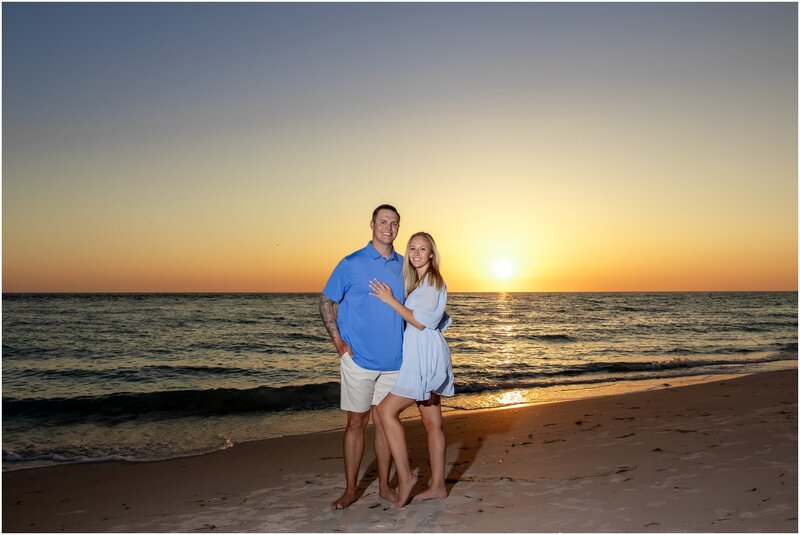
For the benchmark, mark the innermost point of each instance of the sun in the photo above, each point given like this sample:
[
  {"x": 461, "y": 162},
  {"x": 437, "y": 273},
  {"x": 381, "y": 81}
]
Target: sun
[{"x": 503, "y": 268}]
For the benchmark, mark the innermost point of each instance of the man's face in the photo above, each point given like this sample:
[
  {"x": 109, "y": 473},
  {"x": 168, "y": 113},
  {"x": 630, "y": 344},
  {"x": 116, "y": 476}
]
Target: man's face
[{"x": 385, "y": 227}]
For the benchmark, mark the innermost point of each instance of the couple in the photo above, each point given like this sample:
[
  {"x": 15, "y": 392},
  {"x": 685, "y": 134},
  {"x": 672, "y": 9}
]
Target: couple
[{"x": 386, "y": 366}]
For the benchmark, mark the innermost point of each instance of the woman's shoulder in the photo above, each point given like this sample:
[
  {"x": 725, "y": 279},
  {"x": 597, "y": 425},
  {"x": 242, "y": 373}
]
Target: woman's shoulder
[{"x": 427, "y": 284}]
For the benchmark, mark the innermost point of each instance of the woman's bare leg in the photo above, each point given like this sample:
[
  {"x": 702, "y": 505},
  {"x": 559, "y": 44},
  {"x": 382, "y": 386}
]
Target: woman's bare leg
[
  {"x": 390, "y": 409},
  {"x": 431, "y": 413}
]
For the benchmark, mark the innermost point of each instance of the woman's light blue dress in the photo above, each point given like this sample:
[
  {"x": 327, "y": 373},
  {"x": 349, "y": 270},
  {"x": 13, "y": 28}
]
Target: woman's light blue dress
[{"x": 426, "y": 364}]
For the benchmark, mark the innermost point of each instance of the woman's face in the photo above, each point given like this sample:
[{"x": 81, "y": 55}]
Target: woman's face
[{"x": 419, "y": 252}]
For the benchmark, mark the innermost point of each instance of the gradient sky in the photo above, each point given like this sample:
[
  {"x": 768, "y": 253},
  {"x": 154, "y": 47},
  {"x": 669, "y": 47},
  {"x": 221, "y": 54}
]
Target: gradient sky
[{"x": 242, "y": 147}]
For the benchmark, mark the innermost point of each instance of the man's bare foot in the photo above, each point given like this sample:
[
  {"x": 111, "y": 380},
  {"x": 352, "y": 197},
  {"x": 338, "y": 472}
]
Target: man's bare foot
[
  {"x": 346, "y": 499},
  {"x": 388, "y": 494},
  {"x": 431, "y": 494},
  {"x": 404, "y": 491}
]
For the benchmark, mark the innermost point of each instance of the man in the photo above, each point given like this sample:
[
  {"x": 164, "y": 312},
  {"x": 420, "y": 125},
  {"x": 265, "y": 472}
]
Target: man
[{"x": 368, "y": 337}]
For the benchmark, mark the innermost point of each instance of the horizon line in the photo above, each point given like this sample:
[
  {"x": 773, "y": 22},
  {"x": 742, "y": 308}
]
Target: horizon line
[{"x": 319, "y": 292}]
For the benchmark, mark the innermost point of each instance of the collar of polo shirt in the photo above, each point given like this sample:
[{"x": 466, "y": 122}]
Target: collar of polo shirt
[{"x": 375, "y": 254}]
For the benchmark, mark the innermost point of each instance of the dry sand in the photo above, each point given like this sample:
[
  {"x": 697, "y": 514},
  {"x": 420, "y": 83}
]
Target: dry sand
[{"x": 719, "y": 456}]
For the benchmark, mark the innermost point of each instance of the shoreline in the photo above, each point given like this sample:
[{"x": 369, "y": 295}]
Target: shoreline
[
  {"x": 524, "y": 397},
  {"x": 626, "y": 462}
]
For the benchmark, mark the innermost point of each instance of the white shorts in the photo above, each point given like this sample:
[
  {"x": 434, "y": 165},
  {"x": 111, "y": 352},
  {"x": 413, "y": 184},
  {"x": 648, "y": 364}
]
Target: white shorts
[{"x": 362, "y": 388}]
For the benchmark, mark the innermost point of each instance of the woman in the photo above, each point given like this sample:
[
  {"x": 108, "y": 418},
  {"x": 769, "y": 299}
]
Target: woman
[{"x": 426, "y": 372}]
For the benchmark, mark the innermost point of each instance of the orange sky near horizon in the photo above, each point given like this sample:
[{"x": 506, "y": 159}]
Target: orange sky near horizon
[
  {"x": 569, "y": 147},
  {"x": 578, "y": 259}
]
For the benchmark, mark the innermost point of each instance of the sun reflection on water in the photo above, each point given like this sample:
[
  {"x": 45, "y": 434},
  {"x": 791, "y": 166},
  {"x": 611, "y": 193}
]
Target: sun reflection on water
[{"x": 509, "y": 397}]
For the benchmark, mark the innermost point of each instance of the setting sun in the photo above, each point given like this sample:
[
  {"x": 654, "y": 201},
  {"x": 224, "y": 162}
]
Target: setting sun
[{"x": 503, "y": 268}]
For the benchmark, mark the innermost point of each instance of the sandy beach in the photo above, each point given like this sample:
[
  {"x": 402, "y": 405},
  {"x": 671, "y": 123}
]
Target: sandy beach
[{"x": 714, "y": 457}]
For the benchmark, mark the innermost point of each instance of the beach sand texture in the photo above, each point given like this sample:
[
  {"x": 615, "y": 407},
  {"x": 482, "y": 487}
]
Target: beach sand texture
[{"x": 713, "y": 457}]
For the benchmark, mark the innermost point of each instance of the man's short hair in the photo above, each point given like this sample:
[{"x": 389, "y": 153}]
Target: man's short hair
[{"x": 385, "y": 207}]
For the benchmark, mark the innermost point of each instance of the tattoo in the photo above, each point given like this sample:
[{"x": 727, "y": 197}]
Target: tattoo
[{"x": 329, "y": 317}]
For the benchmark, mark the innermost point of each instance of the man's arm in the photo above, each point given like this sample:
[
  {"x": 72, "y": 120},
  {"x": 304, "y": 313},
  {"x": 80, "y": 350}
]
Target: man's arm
[{"x": 328, "y": 314}]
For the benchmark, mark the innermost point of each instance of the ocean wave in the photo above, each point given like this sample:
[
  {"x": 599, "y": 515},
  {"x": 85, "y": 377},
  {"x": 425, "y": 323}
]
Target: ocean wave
[
  {"x": 604, "y": 367},
  {"x": 725, "y": 350},
  {"x": 306, "y": 337},
  {"x": 70, "y": 454},
  {"x": 551, "y": 337},
  {"x": 648, "y": 310},
  {"x": 61, "y": 456},
  {"x": 180, "y": 403},
  {"x": 177, "y": 403},
  {"x": 157, "y": 372},
  {"x": 594, "y": 372}
]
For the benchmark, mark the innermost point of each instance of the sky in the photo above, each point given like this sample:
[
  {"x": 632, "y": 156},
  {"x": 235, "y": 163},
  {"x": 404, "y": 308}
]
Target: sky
[{"x": 199, "y": 147}]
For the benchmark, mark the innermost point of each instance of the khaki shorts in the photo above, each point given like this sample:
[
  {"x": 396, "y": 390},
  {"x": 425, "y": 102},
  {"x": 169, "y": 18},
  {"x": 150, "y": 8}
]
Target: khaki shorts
[{"x": 362, "y": 388}]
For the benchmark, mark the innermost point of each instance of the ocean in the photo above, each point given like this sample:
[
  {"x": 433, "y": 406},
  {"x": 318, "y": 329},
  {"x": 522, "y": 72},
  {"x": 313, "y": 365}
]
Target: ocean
[{"x": 138, "y": 377}]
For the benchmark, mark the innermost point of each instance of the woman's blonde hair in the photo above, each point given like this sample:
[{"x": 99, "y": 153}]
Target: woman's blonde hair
[{"x": 432, "y": 274}]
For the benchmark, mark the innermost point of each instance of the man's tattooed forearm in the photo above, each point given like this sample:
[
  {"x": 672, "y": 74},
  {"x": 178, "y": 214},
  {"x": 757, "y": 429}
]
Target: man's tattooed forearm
[{"x": 329, "y": 317}]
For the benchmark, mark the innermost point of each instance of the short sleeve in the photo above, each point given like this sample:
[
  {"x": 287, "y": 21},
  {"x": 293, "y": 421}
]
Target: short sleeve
[
  {"x": 337, "y": 283},
  {"x": 429, "y": 306}
]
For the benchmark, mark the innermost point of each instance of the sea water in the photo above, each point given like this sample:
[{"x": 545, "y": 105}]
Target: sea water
[{"x": 90, "y": 377}]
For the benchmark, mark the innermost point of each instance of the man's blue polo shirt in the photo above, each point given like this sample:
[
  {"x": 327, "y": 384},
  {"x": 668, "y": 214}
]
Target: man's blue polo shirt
[{"x": 372, "y": 329}]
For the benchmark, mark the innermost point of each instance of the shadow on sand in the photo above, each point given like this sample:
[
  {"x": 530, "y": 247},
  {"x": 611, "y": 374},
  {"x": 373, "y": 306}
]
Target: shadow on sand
[{"x": 465, "y": 450}]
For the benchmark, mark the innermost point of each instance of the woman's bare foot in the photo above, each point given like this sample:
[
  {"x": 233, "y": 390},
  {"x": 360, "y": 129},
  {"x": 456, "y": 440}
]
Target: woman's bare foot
[
  {"x": 431, "y": 494},
  {"x": 404, "y": 491},
  {"x": 345, "y": 500}
]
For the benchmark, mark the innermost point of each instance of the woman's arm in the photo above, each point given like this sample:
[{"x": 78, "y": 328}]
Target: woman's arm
[{"x": 384, "y": 293}]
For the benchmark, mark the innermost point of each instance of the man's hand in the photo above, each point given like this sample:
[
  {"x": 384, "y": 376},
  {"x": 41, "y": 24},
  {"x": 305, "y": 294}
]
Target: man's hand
[{"x": 342, "y": 347}]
